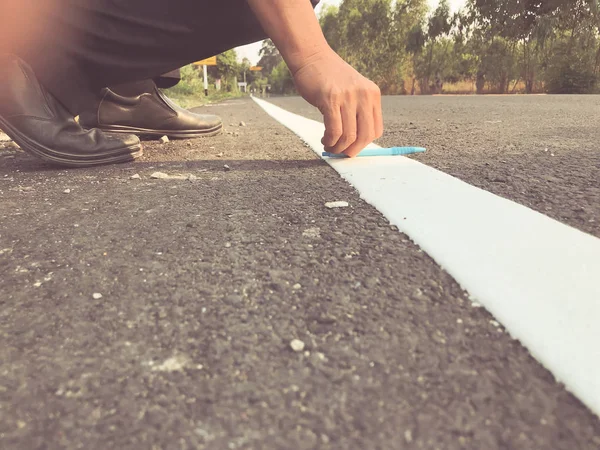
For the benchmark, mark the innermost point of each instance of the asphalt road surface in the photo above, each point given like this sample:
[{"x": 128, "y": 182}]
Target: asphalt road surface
[
  {"x": 140, "y": 313},
  {"x": 541, "y": 151}
]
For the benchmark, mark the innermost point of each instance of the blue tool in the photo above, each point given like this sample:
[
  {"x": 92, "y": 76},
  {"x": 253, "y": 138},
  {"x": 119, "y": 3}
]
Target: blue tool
[{"x": 393, "y": 151}]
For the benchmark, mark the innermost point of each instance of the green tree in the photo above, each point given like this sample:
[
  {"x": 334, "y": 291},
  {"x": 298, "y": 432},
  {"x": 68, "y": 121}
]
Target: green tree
[
  {"x": 432, "y": 50},
  {"x": 227, "y": 68},
  {"x": 571, "y": 68},
  {"x": 281, "y": 79},
  {"x": 269, "y": 57}
]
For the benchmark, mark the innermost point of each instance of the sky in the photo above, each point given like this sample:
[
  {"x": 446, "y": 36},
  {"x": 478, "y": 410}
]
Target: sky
[{"x": 251, "y": 51}]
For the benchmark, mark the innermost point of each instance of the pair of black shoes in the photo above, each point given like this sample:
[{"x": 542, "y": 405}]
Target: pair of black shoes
[{"x": 41, "y": 126}]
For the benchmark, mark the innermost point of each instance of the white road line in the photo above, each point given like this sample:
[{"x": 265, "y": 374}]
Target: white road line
[{"x": 538, "y": 277}]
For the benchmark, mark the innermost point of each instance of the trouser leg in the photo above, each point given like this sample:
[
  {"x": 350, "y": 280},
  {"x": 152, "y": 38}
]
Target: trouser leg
[
  {"x": 135, "y": 88},
  {"x": 168, "y": 80},
  {"x": 85, "y": 46}
]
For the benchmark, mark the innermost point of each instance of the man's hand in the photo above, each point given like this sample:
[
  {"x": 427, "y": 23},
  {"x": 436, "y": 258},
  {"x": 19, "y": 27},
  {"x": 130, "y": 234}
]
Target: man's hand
[{"x": 350, "y": 104}]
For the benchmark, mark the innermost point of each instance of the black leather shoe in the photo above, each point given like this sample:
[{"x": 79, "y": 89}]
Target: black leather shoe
[
  {"x": 149, "y": 114},
  {"x": 40, "y": 125}
]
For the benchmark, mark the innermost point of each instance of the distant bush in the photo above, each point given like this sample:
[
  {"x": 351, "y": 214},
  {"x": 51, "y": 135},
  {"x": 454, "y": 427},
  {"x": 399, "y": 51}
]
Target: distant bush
[
  {"x": 570, "y": 70},
  {"x": 192, "y": 82}
]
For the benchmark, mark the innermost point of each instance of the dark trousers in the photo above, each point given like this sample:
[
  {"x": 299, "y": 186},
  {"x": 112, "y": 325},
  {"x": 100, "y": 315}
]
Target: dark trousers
[
  {"x": 135, "y": 88},
  {"x": 77, "y": 47},
  {"x": 167, "y": 80}
]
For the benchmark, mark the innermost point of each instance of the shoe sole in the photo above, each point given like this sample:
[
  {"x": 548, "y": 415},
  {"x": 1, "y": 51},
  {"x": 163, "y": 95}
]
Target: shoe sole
[
  {"x": 122, "y": 155},
  {"x": 178, "y": 134}
]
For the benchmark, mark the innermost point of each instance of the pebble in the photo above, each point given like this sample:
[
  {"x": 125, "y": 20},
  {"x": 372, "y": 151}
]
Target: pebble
[
  {"x": 332, "y": 205},
  {"x": 96, "y": 296},
  {"x": 408, "y": 436},
  {"x": 297, "y": 345},
  {"x": 242, "y": 124},
  {"x": 312, "y": 233},
  {"x": 4, "y": 137},
  {"x": 135, "y": 177},
  {"x": 67, "y": 191},
  {"x": 297, "y": 286},
  {"x": 164, "y": 139},
  {"x": 173, "y": 364},
  {"x": 494, "y": 323},
  {"x": 166, "y": 176},
  {"x": 226, "y": 167}
]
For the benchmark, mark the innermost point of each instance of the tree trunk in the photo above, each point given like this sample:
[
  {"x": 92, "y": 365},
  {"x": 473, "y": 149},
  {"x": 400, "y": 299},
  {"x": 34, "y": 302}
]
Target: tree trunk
[{"x": 480, "y": 82}]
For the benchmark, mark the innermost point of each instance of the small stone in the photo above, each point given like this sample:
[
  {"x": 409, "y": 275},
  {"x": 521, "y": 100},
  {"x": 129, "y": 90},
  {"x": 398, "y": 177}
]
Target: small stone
[
  {"x": 220, "y": 155},
  {"x": 233, "y": 300},
  {"x": 173, "y": 364},
  {"x": 4, "y": 137},
  {"x": 67, "y": 191},
  {"x": 242, "y": 124},
  {"x": 164, "y": 139},
  {"x": 332, "y": 205},
  {"x": 159, "y": 176},
  {"x": 135, "y": 177},
  {"x": 21, "y": 424},
  {"x": 408, "y": 437},
  {"x": 297, "y": 286},
  {"x": 312, "y": 233},
  {"x": 228, "y": 245},
  {"x": 226, "y": 167},
  {"x": 96, "y": 296},
  {"x": 297, "y": 345},
  {"x": 494, "y": 323},
  {"x": 459, "y": 321}
]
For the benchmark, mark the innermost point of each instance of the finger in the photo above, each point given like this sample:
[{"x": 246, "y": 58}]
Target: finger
[
  {"x": 348, "y": 136},
  {"x": 333, "y": 127},
  {"x": 378, "y": 118},
  {"x": 366, "y": 127}
]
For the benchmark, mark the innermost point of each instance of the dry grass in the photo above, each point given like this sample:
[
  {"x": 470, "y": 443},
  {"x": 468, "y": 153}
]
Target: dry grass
[{"x": 469, "y": 88}]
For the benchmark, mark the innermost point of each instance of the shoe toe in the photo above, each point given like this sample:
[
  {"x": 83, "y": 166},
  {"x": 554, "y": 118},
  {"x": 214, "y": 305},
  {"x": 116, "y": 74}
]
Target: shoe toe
[
  {"x": 123, "y": 140},
  {"x": 204, "y": 121}
]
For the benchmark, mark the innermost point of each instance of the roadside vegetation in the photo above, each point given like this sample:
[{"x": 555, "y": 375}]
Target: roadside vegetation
[{"x": 490, "y": 46}]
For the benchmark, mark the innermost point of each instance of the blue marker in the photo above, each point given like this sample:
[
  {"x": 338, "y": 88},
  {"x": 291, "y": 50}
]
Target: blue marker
[{"x": 393, "y": 151}]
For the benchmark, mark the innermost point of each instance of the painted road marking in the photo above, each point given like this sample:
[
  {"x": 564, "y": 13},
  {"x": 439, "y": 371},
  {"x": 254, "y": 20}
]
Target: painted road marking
[{"x": 538, "y": 277}]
